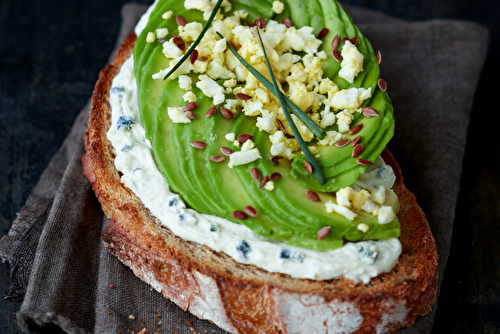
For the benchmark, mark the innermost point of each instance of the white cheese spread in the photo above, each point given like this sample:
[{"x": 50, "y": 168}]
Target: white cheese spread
[{"x": 134, "y": 159}]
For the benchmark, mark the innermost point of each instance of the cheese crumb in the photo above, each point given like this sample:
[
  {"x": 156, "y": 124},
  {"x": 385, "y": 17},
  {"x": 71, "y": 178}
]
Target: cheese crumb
[
  {"x": 386, "y": 215},
  {"x": 269, "y": 186},
  {"x": 162, "y": 32},
  {"x": 278, "y": 7},
  {"x": 332, "y": 207},
  {"x": 230, "y": 136},
  {"x": 185, "y": 82},
  {"x": 248, "y": 145},
  {"x": 344, "y": 196},
  {"x": 176, "y": 114},
  {"x": 167, "y": 15},
  {"x": 190, "y": 97},
  {"x": 150, "y": 38},
  {"x": 363, "y": 227},
  {"x": 352, "y": 62},
  {"x": 243, "y": 157}
]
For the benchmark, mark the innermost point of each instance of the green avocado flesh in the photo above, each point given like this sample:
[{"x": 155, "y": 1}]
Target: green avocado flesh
[{"x": 213, "y": 188}]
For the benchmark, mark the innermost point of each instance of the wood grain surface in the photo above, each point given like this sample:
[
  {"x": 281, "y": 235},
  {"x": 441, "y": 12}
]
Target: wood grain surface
[{"x": 52, "y": 51}]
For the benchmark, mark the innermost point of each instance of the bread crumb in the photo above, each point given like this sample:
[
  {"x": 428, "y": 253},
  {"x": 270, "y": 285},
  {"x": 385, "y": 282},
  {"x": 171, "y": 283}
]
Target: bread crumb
[{"x": 112, "y": 286}]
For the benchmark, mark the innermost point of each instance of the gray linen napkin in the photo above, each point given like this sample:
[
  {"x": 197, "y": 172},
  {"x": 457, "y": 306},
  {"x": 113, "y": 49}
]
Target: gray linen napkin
[{"x": 69, "y": 282}]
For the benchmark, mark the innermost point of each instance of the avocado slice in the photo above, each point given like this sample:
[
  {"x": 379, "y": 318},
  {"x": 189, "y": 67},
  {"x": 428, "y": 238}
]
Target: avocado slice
[{"x": 285, "y": 213}]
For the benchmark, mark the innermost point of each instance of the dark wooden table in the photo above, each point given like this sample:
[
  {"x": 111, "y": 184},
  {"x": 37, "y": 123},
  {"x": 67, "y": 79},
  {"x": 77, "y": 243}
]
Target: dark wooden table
[{"x": 52, "y": 51}]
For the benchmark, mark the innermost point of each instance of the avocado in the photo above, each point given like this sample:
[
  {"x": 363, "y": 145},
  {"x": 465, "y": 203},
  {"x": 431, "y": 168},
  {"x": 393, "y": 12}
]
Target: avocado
[{"x": 286, "y": 213}]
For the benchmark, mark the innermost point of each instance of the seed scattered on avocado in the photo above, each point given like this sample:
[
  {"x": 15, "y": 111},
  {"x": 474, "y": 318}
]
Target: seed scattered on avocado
[
  {"x": 217, "y": 158},
  {"x": 308, "y": 167},
  {"x": 211, "y": 111},
  {"x": 313, "y": 196},
  {"x": 324, "y": 232},
  {"x": 342, "y": 142},
  {"x": 239, "y": 215},
  {"x": 335, "y": 42},
  {"x": 356, "y": 129},
  {"x": 287, "y": 22},
  {"x": 264, "y": 181},
  {"x": 382, "y": 84},
  {"x": 250, "y": 210},
  {"x": 180, "y": 20},
  {"x": 336, "y": 55},
  {"x": 226, "y": 151},
  {"x": 369, "y": 112},
  {"x": 323, "y": 33},
  {"x": 355, "y": 141},
  {"x": 198, "y": 144},
  {"x": 255, "y": 173},
  {"x": 358, "y": 149}
]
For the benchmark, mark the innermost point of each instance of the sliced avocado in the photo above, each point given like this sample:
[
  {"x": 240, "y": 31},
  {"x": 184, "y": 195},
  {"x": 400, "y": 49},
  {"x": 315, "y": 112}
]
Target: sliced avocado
[{"x": 286, "y": 213}]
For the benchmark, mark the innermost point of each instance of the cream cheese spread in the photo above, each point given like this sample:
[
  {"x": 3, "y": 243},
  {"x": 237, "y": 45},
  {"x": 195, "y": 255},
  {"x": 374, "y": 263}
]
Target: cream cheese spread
[{"x": 357, "y": 261}]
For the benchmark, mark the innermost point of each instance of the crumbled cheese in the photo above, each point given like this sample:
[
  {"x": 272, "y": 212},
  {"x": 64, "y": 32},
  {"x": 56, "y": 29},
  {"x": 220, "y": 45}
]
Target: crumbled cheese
[
  {"x": 191, "y": 31},
  {"x": 332, "y": 207},
  {"x": 359, "y": 198},
  {"x": 278, "y": 7},
  {"x": 369, "y": 206},
  {"x": 351, "y": 98},
  {"x": 344, "y": 119},
  {"x": 167, "y": 15},
  {"x": 211, "y": 88},
  {"x": 243, "y": 157},
  {"x": 231, "y": 83},
  {"x": 386, "y": 215},
  {"x": 230, "y": 136},
  {"x": 363, "y": 227},
  {"x": 331, "y": 138},
  {"x": 327, "y": 118},
  {"x": 176, "y": 114},
  {"x": 162, "y": 32},
  {"x": 185, "y": 82},
  {"x": 344, "y": 196},
  {"x": 150, "y": 38},
  {"x": 248, "y": 145},
  {"x": 236, "y": 143},
  {"x": 378, "y": 195},
  {"x": 189, "y": 97},
  {"x": 170, "y": 50},
  {"x": 269, "y": 186},
  {"x": 352, "y": 62}
]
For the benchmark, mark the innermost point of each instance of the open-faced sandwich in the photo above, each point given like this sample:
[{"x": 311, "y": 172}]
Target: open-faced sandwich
[{"x": 239, "y": 148}]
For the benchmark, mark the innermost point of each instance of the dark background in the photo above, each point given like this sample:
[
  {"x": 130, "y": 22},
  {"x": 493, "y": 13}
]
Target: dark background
[{"x": 52, "y": 51}]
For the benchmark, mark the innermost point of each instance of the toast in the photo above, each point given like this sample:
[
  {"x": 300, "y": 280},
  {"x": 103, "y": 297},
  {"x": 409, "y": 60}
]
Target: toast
[{"x": 242, "y": 298}]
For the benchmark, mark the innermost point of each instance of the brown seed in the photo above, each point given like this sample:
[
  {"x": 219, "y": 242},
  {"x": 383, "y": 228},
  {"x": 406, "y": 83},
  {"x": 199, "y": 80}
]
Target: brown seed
[
  {"x": 226, "y": 151},
  {"x": 354, "y": 40},
  {"x": 313, "y": 196},
  {"x": 244, "y": 137},
  {"x": 382, "y": 84},
  {"x": 358, "y": 149},
  {"x": 193, "y": 56},
  {"x": 356, "y": 129},
  {"x": 264, "y": 181},
  {"x": 228, "y": 114},
  {"x": 323, "y": 33},
  {"x": 239, "y": 215},
  {"x": 275, "y": 176},
  {"x": 335, "y": 42},
  {"x": 204, "y": 58},
  {"x": 241, "y": 96},
  {"x": 180, "y": 20},
  {"x": 248, "y": 24},
  {"x": 324, "y": 232},
  {"x": 355, "y": 141},
  {"x": 336, "y": 55},
  {"x": 255, "y": 173},
  {"x": 369, "y": 112},
  {"x": 190, "y": 106},
  {"x": 379, "y": 57},
  {"x": 191, "y": 115},
  {"x": 280, "y": 124},
  {"x": 287, "y": 22},
  {"x": 262, "y": 23},
  {"x": 211, "y": 111},
  {"x": 308, "y": 167},
  {"x": 342, "y": 142},
  {"x": 274, "y": 159},
  {"x": 177, "y": 40},
  {"x": 198, "y": 144},
  {"x": 217, "y": 158},
  {"x": 251, "y": 211},
  {"x": 364, "y": 162}
]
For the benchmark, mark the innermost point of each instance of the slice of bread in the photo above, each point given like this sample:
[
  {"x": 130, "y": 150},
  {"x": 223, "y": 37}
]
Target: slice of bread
[{"x": 243, "y": 298}]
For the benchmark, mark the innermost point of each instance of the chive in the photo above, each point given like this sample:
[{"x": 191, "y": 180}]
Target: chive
[
  {"x": 317, "y": 171},
  {"x": 311, "y": 125},
  {"x": 197, "y": 41}
]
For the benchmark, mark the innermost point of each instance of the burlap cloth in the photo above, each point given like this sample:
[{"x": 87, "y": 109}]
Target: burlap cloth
[{"x": 67, "y": 280}]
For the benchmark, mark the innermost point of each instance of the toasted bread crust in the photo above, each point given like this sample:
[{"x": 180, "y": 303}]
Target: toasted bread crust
[{"x": 243, "y": 298}]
